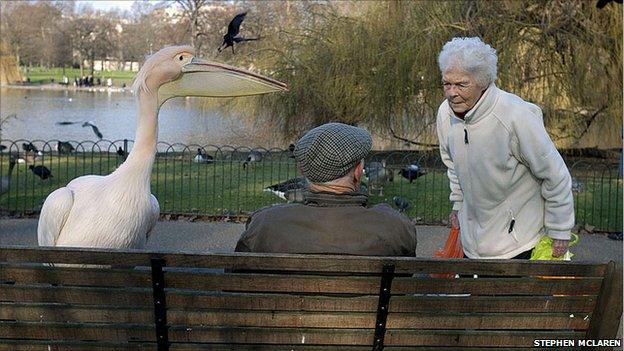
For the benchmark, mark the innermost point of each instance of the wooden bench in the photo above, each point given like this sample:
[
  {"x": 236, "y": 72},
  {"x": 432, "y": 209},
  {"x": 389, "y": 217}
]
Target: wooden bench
[{"x": 184, "y": 301}]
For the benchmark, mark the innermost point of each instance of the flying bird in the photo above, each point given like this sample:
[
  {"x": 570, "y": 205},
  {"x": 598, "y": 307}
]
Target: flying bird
[
  {"x": 412, "y": 172},
  {"x": 602, "y": 3},
  {"x": 118, "y": 210},
  {"x": 401, "y": 203},
  {"x": 290, "y": 190},
  {"x": 41, "y": 171},
  {"x": 96, "y": 130},
  {"x": 5, "y": 180},
  {"x": 231, "y": 36}
]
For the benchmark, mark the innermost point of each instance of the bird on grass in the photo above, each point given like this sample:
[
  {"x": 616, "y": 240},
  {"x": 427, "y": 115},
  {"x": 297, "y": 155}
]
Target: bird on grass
[
  {"x": 412, "y": 172},
  {"x": 231, "y": 36},
  {"x": 121, "y": 152},
  {"x": 41, "y": 171},
  {"x": 254, "y": 156},
  {"x": 118, "y": 210},
  {"x": 290, "y": 190},
  {"x": 30, "y": 157},
  {"x": 401, "y": 203},
  {"x": 5, "y": 180},
  {"x": 378, "y": 174},
  {"x": 29, "y": 147},
  {"x": 202, "y": 157},
  {"x": 64, "y": 148}
]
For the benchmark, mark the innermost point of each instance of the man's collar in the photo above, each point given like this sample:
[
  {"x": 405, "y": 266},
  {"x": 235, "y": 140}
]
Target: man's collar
[{"x": 325, "y": 199}]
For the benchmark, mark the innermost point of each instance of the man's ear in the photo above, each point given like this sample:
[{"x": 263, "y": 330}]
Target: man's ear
[{"x": 358, "y": 171}]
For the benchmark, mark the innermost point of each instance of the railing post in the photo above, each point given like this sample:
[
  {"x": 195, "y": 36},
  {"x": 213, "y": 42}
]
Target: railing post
[
  {"x": 125, "y": 149},
  {"x": 382, "y": 307},
  {"x": 160, "y": 308}
]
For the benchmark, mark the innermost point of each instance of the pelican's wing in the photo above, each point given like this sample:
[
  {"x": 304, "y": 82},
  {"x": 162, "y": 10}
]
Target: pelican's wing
[
  {"x": 54, "y": 213},
  {"x": 155, "y": 215}
]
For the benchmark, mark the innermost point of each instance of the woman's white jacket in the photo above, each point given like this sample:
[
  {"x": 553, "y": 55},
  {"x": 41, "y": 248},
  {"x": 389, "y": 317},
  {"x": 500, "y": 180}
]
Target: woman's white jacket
[{"x": 508, "y": 181}]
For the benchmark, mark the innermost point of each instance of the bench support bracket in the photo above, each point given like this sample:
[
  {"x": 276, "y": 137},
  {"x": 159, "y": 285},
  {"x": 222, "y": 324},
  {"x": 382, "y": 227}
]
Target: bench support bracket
[
  {"x": 382, "y": 307},
  {"x": 160, "y": 308}
]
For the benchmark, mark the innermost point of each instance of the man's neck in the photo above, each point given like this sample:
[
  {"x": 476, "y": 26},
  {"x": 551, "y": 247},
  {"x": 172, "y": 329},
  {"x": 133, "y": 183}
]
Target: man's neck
[{"x": 332, "y": 188}]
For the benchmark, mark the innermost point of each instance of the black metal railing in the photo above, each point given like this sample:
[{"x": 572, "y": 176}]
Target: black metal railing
[{"x": 233, "y": 181}]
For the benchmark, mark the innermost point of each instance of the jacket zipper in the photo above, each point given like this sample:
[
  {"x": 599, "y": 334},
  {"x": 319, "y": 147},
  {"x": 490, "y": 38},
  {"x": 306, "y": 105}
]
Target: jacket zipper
[{"x": 466, "y": 136}]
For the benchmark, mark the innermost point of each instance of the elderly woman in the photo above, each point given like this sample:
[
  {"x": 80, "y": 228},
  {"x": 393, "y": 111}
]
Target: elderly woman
[{"x": 509, "y": 185}]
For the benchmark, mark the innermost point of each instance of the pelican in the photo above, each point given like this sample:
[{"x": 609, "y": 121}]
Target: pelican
[{"x": 118, "y": 210}]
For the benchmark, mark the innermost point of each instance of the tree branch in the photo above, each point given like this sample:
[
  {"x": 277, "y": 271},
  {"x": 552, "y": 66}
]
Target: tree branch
[{"x": 411, "y": 141}]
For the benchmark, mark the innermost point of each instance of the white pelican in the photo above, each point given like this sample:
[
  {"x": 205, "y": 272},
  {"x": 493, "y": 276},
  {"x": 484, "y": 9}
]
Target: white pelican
[{"x": 118, "y": 210}]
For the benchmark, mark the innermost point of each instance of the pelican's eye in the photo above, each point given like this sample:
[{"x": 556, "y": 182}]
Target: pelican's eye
[{"x": 181, "y": 57}]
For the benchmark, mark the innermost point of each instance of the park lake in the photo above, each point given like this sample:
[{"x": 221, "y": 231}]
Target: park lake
[{"x": 181, "y": 120}]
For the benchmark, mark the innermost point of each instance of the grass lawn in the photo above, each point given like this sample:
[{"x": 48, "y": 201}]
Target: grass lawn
[
  {"x": 43, "y": 75},
  {"x": 226, "y": 188}
]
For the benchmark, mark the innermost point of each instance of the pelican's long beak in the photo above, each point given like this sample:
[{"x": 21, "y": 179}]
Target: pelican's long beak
[{"x": 212, "y": 79}]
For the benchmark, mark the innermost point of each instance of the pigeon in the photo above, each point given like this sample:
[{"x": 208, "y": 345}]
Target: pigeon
[
  {"x": 412, "y": 172},
  {"x": 378, "y": 174},
  {"x": 401, "y": 203},
  {"x": 577, "y": 186}
]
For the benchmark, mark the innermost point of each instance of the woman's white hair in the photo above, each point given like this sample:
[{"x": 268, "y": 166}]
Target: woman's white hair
[{"x": 472, "y": 56}]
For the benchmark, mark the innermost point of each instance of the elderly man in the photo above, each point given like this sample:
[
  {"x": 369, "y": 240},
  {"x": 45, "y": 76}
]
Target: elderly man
[
  {"x": 509, "y": 185},
  {"x": 334, "y": 218}
]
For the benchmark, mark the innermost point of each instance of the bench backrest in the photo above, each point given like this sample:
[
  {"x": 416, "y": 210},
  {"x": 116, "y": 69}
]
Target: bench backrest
[{"x": 183, "y": 301}]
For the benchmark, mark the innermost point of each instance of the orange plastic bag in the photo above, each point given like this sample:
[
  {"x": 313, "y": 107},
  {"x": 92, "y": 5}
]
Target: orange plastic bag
[{"x": 452, "y": 249}]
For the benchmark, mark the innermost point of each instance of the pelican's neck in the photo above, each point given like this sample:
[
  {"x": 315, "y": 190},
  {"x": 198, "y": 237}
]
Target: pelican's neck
[{"x": 141, "y": 158}]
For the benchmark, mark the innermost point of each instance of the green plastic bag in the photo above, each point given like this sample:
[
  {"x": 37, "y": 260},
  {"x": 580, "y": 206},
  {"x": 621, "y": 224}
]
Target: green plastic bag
[{"x": 543, "y": 249}]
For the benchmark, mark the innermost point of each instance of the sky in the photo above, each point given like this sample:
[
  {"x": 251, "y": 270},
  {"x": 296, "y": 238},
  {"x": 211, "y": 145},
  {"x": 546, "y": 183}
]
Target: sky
[{"x": 106, "y": 5}]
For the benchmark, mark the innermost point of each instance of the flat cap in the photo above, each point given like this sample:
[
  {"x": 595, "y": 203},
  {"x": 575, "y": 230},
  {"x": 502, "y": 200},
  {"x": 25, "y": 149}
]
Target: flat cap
[{"x": 330, "y": 151}]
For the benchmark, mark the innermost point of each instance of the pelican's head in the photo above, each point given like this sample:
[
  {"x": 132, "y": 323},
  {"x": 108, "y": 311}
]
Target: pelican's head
[{"x": 175, "y": 71}]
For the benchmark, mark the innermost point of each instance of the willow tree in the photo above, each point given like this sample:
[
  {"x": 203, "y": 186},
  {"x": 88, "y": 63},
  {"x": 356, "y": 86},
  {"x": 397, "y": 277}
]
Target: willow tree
[{"x": 376, "y": 63}]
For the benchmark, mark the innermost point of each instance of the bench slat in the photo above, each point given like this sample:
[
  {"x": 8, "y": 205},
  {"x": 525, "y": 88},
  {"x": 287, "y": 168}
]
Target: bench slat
[
  {"x": 55, "y": 345},
  {"x": 76, "y": 276},
  {"x": 472, "y": 338},
  {"x": 43, "y": 312},
  {"x": 325, "y": 263},
  {"x": 498, "y": 286},
  {"x": 496, "y": 321},
  {"x": 364, "y": 337},
  {"x": 288, "y": 302},
  {"x": 36, "y": 345},
  {"x": 370, "y": 285},
  {"x": 117, "y": 333},
  {"x": 222, "y": 317},
  {"x": 138, "y": 297}
]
